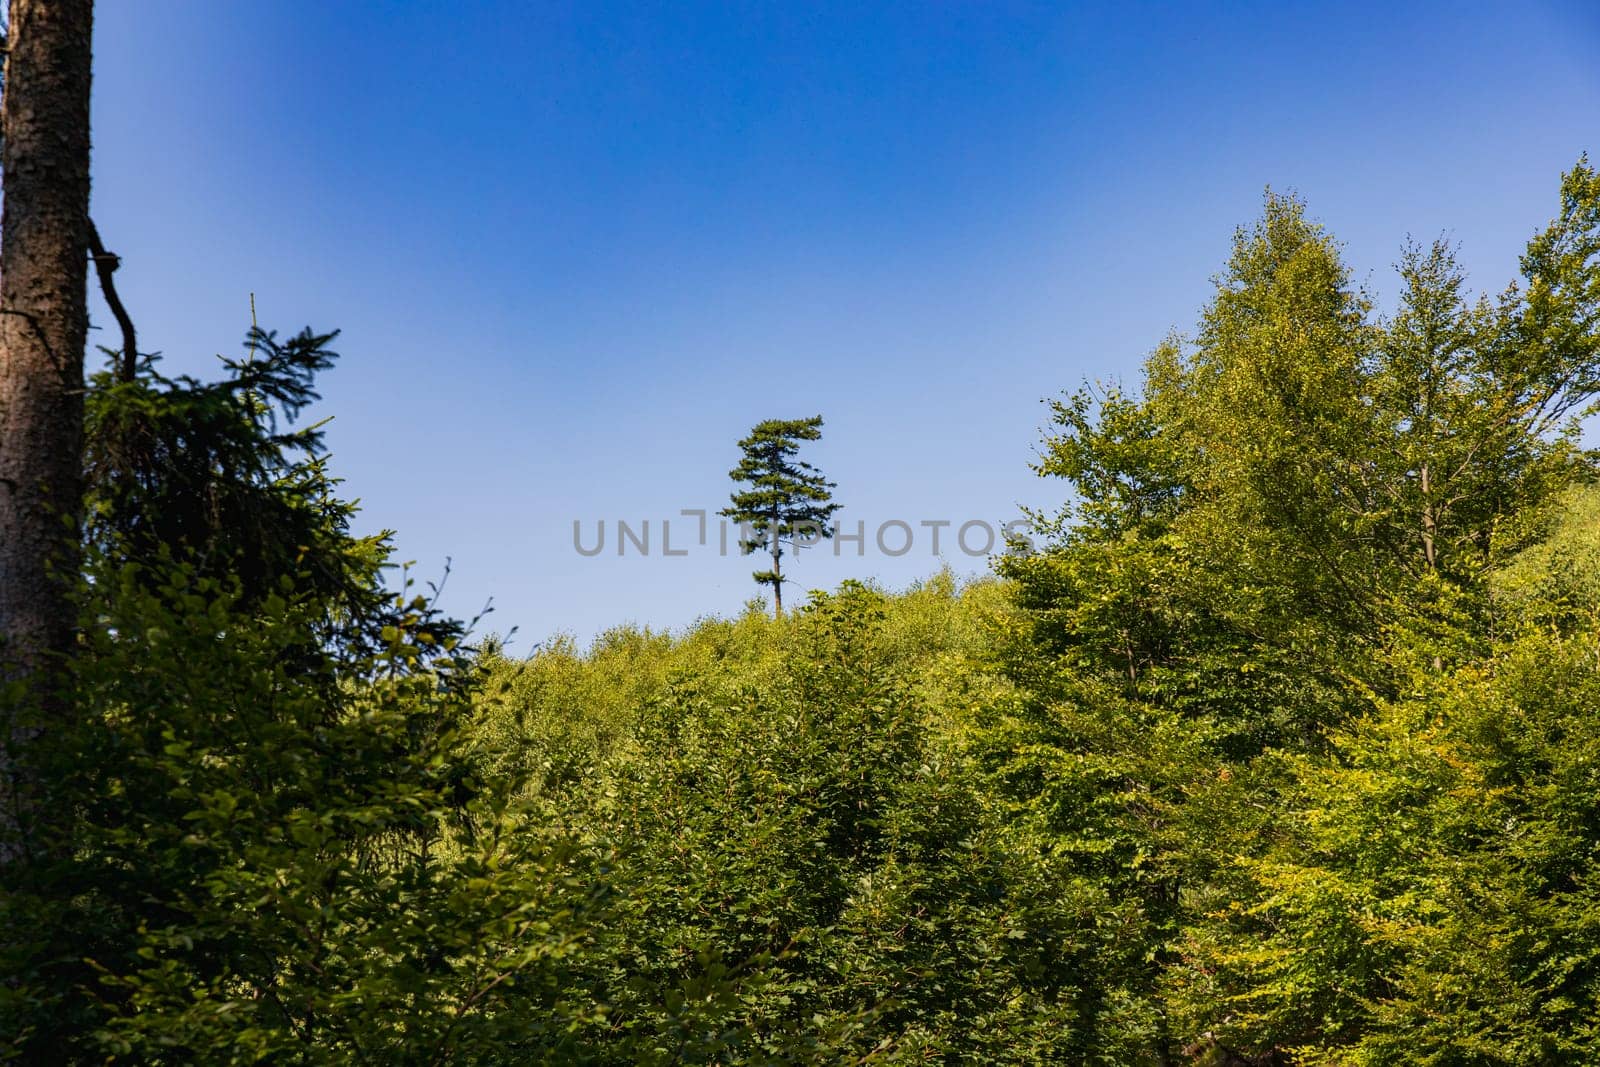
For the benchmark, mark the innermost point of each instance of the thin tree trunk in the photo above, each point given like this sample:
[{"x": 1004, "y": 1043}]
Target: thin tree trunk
[
  {"x": 44, "y": 119},
  {"x": 777, "y": 573},
  {"x": 1429, "y": 523},
  {"x": 1430, "y": 529}
]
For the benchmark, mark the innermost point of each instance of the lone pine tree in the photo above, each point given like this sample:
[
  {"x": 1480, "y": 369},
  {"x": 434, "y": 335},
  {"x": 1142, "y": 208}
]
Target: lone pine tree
[{"x": 786, "y": 497}]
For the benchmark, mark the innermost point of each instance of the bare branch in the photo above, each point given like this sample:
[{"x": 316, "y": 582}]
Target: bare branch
[{"x": 105, "y": 265}]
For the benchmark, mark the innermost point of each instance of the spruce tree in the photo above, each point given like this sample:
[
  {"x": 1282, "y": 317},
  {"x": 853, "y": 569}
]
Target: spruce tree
[{"x": 785, "y": 497}]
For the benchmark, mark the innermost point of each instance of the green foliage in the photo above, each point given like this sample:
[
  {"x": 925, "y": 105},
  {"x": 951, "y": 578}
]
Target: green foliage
[
  {"x": 1286, "y": 585},
  {"x": 214, "y": 474},
  {"x": 1282, "y": 751},
  {"x": 278, "y": 858},
  {"x": 270, "y": 839},
  {"x": 806, "y": 864},
  {"x": 1430, "y": 897}
]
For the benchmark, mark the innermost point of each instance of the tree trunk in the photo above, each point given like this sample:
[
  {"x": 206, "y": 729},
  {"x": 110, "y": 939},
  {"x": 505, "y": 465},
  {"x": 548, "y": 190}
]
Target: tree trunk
[
  {"x": 777, "y": 574},
  {"x": 44, "y": 120},
  {"x": 1430, "y": 524}
]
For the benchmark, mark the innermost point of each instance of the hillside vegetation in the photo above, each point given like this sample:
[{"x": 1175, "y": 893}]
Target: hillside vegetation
[{"x": 1283, "y": 748}]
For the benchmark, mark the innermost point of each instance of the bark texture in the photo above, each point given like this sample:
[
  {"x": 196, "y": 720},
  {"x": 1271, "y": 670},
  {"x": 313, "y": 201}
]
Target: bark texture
[{"x": 44, "y": 119}]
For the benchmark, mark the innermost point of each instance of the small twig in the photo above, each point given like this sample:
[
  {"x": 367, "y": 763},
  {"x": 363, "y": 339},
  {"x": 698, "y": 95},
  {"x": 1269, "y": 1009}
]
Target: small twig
[
  {"x": 255, "y": 328},
  {"x": 105, "y": 264}
]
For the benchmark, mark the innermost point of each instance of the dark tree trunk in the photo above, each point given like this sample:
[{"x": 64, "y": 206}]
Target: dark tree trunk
[
  {"x": 777, "y": 573},
  {"x": 775, "y": 531},
  {"x": 44, "y": 119}
]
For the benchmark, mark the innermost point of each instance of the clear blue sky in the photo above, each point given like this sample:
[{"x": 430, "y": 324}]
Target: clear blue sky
[{"x": 577, "y": 250}]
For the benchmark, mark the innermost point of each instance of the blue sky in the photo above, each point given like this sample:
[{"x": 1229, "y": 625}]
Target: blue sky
[{"x": 577, "y": 250}]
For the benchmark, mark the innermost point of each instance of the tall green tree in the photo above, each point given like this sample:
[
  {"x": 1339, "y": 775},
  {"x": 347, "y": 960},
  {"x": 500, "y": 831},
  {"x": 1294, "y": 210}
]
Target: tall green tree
[
  {"x": 1302, "y": 477},
  {"x": 267, "y": 809},
  {"x": 1430, "y": 895},
  {"x": 785, "y": 499},
  {"x": 1290, "y": 527}
]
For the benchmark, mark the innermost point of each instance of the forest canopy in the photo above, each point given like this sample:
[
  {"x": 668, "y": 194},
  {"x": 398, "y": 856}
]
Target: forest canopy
[{"x": 1282, "y": 749}]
